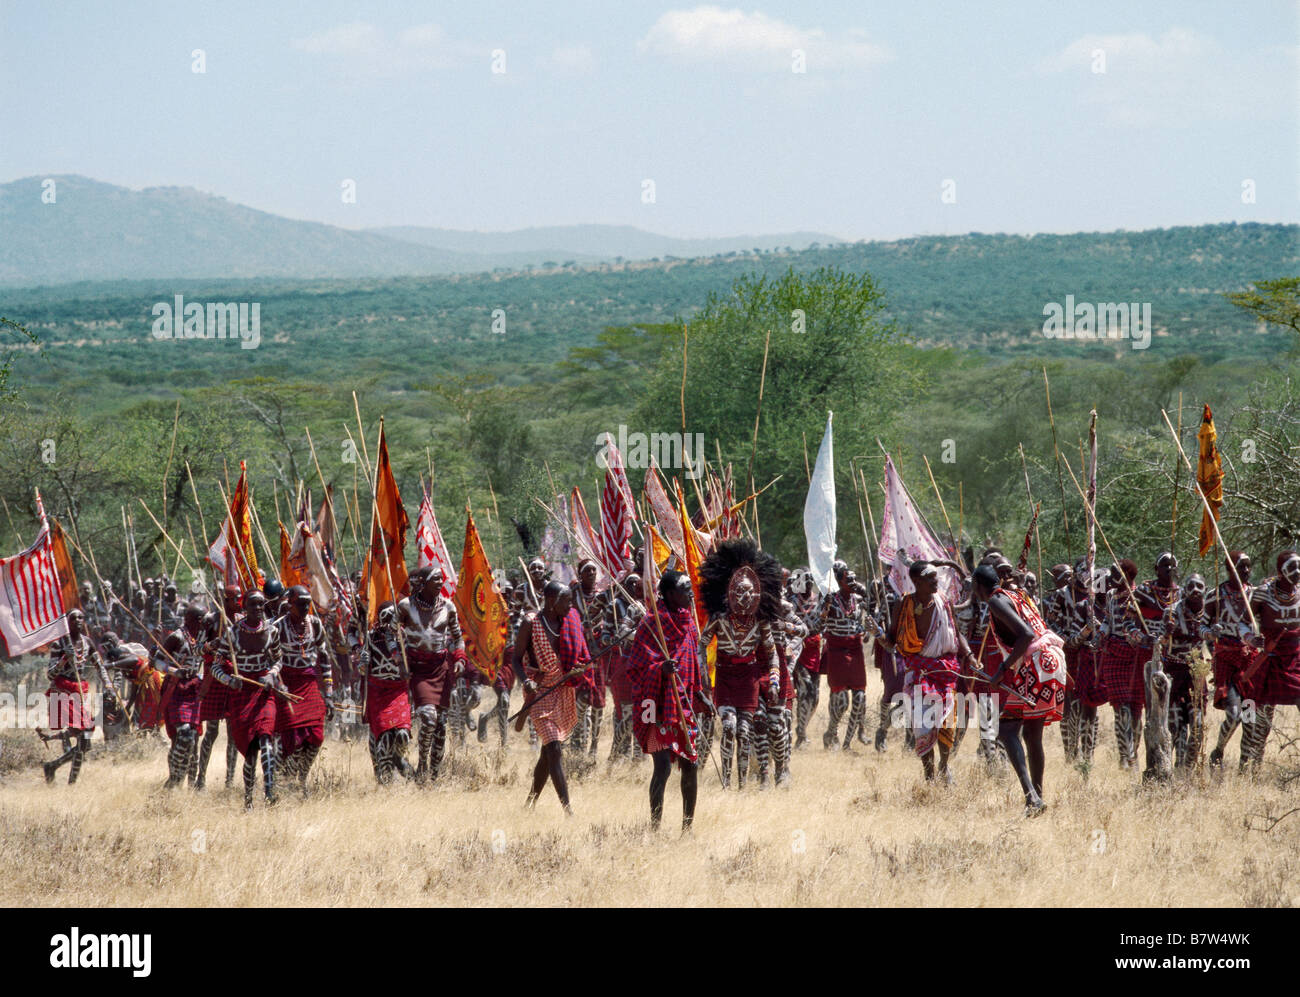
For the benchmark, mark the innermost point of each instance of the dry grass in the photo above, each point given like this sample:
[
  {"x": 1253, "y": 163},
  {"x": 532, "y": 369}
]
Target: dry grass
[{"x": 857, "y": 830}]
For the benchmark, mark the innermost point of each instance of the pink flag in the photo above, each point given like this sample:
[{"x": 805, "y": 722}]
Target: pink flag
[
  {"x": 904, "y": 539},
  {"x": 666, "y": 517},
  {"x": 589, "y": 546},
  {"x": 31, "y": 599},
  {"x": 429, "y": 548}
]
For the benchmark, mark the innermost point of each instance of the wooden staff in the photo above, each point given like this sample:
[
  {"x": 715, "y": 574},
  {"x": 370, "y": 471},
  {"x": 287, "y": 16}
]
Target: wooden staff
[
  {"x": 1092, "y": 516},
  {"x": 753, "y": 445},
  {"x": 1173, "y": 520},
  {"x": 947, "y": 522},
  {"x": 167, "y": 470},
  {"x": 18, "y": 535},
  {"x": 1214, "y": 523},
  {"x": 1051, "y": 419},
  {"x": 1024, "y": 466}
]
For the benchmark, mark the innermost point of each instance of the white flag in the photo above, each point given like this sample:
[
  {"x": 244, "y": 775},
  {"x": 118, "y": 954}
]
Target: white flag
[
  {"x": 904, "y": 539},
  {"x": 429, "y": 547},
  {"x": 31, "y": 599},
  {"x": 819, "y": 514}
]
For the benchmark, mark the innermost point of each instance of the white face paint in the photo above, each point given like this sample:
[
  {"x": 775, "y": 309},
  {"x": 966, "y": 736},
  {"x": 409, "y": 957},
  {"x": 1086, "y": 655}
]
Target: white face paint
[{"x": 1291, "y": 570}]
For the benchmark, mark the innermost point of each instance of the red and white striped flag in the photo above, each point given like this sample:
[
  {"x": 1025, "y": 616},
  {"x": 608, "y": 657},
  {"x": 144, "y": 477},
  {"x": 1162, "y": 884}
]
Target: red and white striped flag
[
  {"x": 31, "y": 601},
  {"x": 616, "y": 514},
  {"x": 429, "y": 547}
]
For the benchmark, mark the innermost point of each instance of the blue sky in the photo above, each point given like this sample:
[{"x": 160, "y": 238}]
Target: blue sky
[{"x": 597, "y": 98}]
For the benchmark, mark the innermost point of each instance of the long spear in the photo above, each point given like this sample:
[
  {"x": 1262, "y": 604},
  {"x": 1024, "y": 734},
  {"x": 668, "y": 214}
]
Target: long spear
[
  {"x": 1024, "y": 466},
  {"x": 947, "y": 522}
]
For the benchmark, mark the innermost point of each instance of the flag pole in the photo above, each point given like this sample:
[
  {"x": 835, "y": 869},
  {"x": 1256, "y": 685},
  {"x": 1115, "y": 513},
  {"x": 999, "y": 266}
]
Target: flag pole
[
  {"x": 1173, "y": 522},
  {"x": 1060, "y": 480},
  {"x": 1214, "y": 523},
  {"x": 946, "y": 521},
  {"x": 1024, "y": 466}
]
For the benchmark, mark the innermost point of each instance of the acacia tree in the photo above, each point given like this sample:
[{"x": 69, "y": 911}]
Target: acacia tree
[{"x": 830, "y": 346}]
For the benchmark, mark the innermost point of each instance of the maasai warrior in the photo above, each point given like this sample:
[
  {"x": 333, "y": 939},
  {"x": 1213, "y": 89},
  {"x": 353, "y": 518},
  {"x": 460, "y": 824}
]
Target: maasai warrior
[
  {"x": 1060, "y": 611},
  {"x": 972, "y": 615},
  {"x": 1231, "y": 631},
  {"x": 1273, "y": 678},
  {"x": 839, "y": 621},
  {"x": 807, "y": 669},
  {"x": 617, "y": 631},
  {"x": 168, "y": 612},
  {"x": 1185, "y": 628},
  {"x": 1087, "y": 635},
  {"x": 183, "y": 664},
  {"x": 435, "y": 654},
  {"x": 589, "y": 603},
  {"x": 250, "y": 668},
  {"x": 772, "y": 722},
  {"x": 214, "y": 697},
  {"x": 72, "y": 659},
  {"x": 551, "y": 653},
  {"x": 1029, "y": 682},
  {"x": 143, "y": 682},
  {"x": 741, "y": 589},
  {"x": 884, "y": 600},
  {"x": 505, "y": 676},
  {"x": 923, "y": 633},
  {"x": 97, "y": 613},
  {"x": 388, "y": 702},
  {"x": 1121, "y": 661},
  {"x": 535, "y": 583},
  {"x": 306, "y": 673},
  {"x": 664, "y": 688},
  {"x": 273, "y": 589}
]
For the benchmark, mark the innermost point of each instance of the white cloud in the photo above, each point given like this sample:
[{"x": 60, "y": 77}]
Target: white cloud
[
  {"x": 715, "y": 35},
  {"x": 1178, "y": 78},
  {"x": 357, "y": 39}
]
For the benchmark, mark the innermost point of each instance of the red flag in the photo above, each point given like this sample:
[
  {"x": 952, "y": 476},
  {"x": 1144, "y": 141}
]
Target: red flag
[
  {"x": 63, "y": 564},
  {"x": 384, "y": 575},
  {"x": 665, "y": 515},
  {"x": 231, "y": 554},
  {"x": 1209, "y": 477},
  {"x": 31, "y": 600},
  {"x": 589, "y": 545},
  {"x": 616, "y": 514}
]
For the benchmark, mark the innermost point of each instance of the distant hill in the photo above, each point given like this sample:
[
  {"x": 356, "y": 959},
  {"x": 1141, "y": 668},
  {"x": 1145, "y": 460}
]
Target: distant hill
[
  {"x": 589, "y": 243},
  {"x": 100, "y": 232}
]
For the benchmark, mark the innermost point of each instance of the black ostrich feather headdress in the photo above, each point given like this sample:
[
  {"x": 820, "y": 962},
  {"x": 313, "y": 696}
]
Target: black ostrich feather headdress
[{"x": 727, "y": 557}]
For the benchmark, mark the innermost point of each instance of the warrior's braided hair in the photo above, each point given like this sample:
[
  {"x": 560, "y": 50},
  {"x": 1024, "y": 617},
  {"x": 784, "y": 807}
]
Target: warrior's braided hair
[{"x": 728, "y": 557}]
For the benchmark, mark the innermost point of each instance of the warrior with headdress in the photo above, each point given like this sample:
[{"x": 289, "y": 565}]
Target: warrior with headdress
[
  {"x": 589, "y": 602},
  {"x": 741, "y": 589},
  {"x": 618, "y": 627}
]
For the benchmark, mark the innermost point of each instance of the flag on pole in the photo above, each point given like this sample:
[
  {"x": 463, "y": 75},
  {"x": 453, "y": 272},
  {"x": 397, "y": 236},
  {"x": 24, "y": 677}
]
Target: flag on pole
[
  {"x": 819, "y": 514},
  {"x": 1209, "y": 476},
  {"x": 288, "y": 576},
  {"x": 691, "y": 565},
  {"x": 589, "y": 544},
  {"x": 904, "y": 538},
  {"x": 326, "y": 524},
  {"x": 429, "y": 545},
  {"x": 556, "y": 550},
  {"x": 1090, "y": 554},
  {"x": 308, "y": 565},
  {"x": 63, "y": 564},
  {"x": 670, "y": 527},
  {"x": 31, "y": 599},
  {"x": 482, "y": 609},
  {"x": 231, "y": 554},
  {"x": 616, "y": 514},
  {"x": 388, "y": 525}
]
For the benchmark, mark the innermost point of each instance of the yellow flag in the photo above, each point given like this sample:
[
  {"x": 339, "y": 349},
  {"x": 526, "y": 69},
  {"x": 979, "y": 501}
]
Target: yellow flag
[
  {"x": 693, "y": 561},
  {"x": 1209, "y": 475}
]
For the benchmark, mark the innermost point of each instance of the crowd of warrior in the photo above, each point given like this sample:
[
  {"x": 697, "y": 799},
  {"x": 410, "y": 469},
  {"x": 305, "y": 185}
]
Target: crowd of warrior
[{"x": 276, "y": 673}]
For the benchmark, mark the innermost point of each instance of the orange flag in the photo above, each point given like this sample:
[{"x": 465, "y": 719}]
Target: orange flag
[
  {"x": 289, "y": 574},
  {"x": 231, "y": 554},
  {"x": 1209, "y": 475},
  {"x": 479, "y": 604},
  {"x": 388, "y": 526},
  {"x": 693, "y": 561},
  {"x": 63, "y": 565}
]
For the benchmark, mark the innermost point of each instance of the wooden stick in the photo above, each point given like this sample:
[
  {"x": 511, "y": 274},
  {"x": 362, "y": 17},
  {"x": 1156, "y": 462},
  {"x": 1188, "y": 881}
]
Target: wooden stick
[
  {"x": 365, "y": 451},
  {"x": 1173, "y": 522},
  {"x": 806, "y": 469},
  {"x": 11, "y": 522},
  {"x": 1060, "y": 480},
  {"x": 1024, "y": 466},
  {"x": 1213, "y": 522},
  {"x": 956, "y": 549},
  {"x": 167, "y": 470}
]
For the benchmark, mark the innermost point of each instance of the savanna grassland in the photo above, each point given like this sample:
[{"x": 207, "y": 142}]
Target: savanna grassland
[{"x": 857, "y": 829}]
